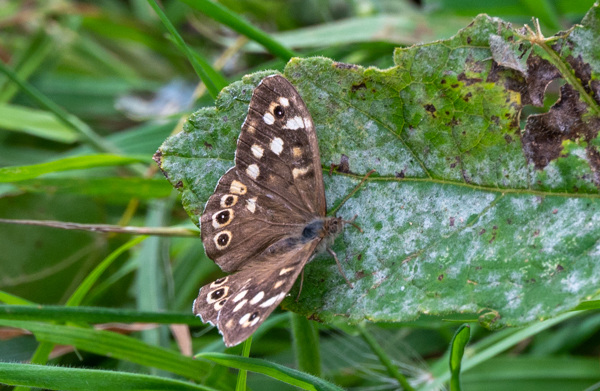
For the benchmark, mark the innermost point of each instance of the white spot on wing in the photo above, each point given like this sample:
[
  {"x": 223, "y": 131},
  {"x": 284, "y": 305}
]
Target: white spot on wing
[
  {"x": 240, "y": 296},
  {"x": 253, "y": 171},
  {"x": 258, "y": 297},
  {"x": 244, "y": 318},
  {"x": 269, "y": 302},
  {"x": 294, "y": 123},
  {"x": 257, "y": 151},
  {"x": 251, "y": 204},
  {"x": 284, "y": 101},
  {"x": 278, "y": 284},
  {"x": 240, "y": 305},
  {"x": 277, "y": 146},
  {"x": 269, "y": 119}
]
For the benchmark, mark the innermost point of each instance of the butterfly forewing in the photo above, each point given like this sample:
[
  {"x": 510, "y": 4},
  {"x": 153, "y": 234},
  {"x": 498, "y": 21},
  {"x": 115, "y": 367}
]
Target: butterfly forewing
[
  {"x": 237, "y": 304},
  {"x": 279, "y": 125},
  {"x": 276, "y": 186}
]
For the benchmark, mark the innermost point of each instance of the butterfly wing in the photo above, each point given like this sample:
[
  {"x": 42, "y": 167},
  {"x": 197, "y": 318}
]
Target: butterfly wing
[
  {"x": 276, "y": 186},
  {"x": 238, "y": 304}
]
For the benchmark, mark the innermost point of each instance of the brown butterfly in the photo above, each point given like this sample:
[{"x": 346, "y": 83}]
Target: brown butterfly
[{"x": 266, "y": 218}]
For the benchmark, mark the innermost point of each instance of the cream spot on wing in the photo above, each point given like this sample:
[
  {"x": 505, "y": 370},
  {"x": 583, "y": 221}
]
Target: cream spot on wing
[
  {"x": 284, "y": 101},
  {"x": 257, "y": 151},
  {"x": 285, "y": 270},
  {"x": 219, "y": 305},
  {"x": 251, "y": 204},
  {"x": 240, "y": 305},
  {"x": 258, "y": 297},
  {"x": 296, "y": 172},
  {"x": 278, "y": 284},
  {"x": 240, "y": 296},
  {"x": 228, "y": 200},
  {"x": 277, "y": 146},
  {"x": 245, "y": 318},
  {"x": 229, "y": 323},
  {"x": 219, "y": 282},
  {"x": 294, "y": 123},
  {"x": 255, "y": 321},
  {"x": 253, "y": 171},
  {"x": 269, "y": 302},
  {"x": 222, "y": 239},
  {"x": 297, "y": 152},
  {"x": 269, "y": 119},
  {"x": 238, "y": 187}
]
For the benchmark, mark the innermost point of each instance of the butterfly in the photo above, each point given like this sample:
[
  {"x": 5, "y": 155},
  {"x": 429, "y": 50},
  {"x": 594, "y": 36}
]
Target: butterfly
[{"x": 267, "y": 217}]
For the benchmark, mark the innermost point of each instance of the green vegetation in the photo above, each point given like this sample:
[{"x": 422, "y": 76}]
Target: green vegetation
[{"x": 478, "y": 264}]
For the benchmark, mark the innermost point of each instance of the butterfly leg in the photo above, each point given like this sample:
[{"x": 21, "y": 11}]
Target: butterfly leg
[{"x": 337, "y": 261}]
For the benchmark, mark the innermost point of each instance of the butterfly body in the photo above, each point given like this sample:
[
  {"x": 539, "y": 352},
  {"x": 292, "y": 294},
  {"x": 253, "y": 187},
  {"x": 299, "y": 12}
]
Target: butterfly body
[{"x": 267, "y": 216}]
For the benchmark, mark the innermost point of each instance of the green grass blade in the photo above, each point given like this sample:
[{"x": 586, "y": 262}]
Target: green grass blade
[
  {"x": 85, "y": 286},
  {"x": 37, "y": 123},
  {"x": 213, "y": 80},
  {"x": 57, "y": 378},
  {"x": 30, "y": 59},
  {"x": 86, "y": 133},
  {"x": 59, "y": 313},
  {"x": 225, "y": 16},
  {"x": 20, "y": 173},
  {"x": 306, "y": 344},
  {"x": 8, "y": 298},
  {"x": 276, "y": 371},
  {"x": 114, "y": 345},
  {"x": 243, "y": 374},
  {"x": 384, "y": 358},
  {"x": 457, "y": 350}
]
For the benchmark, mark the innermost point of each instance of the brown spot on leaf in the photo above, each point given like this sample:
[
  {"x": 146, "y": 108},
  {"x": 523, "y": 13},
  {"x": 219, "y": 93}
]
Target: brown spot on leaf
[
  {"x": 467, "y": 97},
  {"x": 158, "y": 158},
  {"x": 342, "y": 65},
  {"x": 430, "y": 108},
  {"x": 343, "y": 167},
  {"x": 540, "y": 73},
  {"x": 440, "y": 277},
  {"x": 360, "y": 86},
  {"x": 545, "y": 133},
  {"x": 469, "y": 80},
  {"x": 207, "y": 145},
  {"x": 451, "y": 221},
  {"x": 359, "y": 274},
  {"x": 482, "y": 231},
  {"x": 400, "y": 174},
  {"x": 508, "y": 139},
  {"x": 179, "y": 185},
  {"x": 559, "y": 268}
]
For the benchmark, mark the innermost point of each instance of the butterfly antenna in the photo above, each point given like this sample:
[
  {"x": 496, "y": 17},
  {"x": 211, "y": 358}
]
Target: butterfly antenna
[
  {"x": 351, "y": 221},
  {"x": 356, "y": 188}
]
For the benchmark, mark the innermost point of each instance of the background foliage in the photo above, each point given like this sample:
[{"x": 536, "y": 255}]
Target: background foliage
[{"x": 88, "y": 93}]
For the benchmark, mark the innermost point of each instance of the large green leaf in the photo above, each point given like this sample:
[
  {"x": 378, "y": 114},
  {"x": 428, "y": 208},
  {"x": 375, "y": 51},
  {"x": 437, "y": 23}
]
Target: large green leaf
[{"x": 467, "y": 212}]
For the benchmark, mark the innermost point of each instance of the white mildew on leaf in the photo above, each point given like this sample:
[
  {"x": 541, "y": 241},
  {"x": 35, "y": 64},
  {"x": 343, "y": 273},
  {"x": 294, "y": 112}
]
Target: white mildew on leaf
[{"x": 461, "y": 215}]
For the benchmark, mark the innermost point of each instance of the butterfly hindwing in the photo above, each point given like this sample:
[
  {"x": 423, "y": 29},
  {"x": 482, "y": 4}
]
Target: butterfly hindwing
[{"x": 237, "y": 304}]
